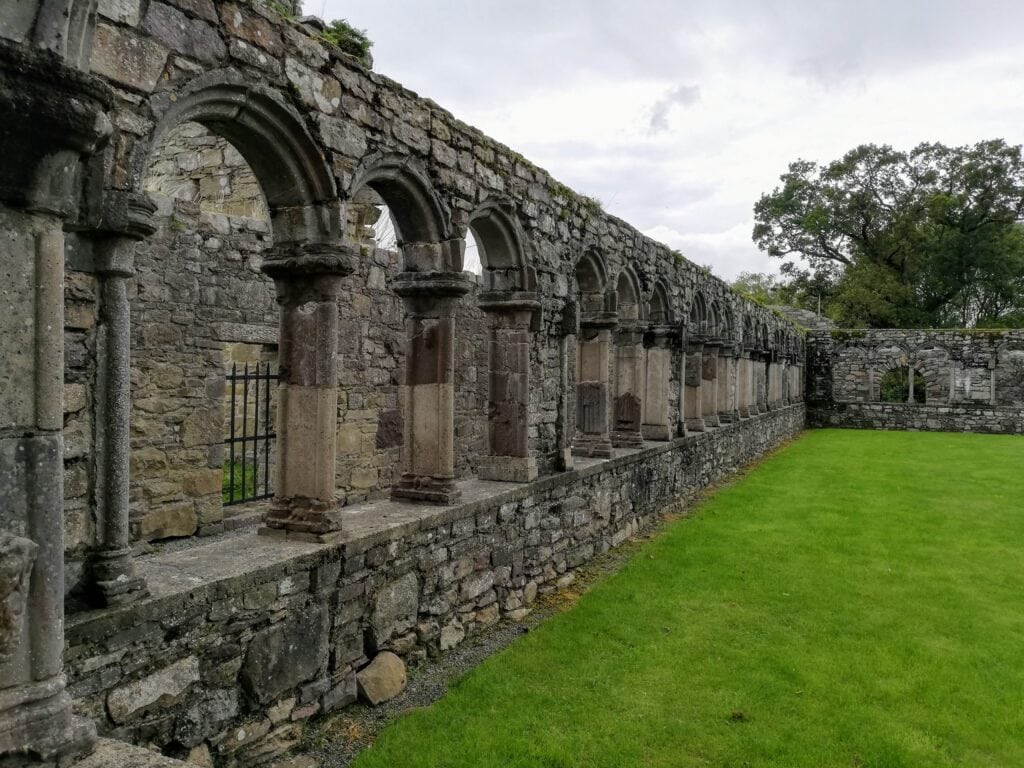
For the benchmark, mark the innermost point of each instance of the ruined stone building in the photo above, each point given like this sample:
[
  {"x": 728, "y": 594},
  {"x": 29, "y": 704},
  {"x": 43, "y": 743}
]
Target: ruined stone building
[{"x": 352, "y": 444}]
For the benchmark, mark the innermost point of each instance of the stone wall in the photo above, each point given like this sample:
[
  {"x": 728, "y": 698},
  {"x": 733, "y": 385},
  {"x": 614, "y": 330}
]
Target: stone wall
[
  {"x": 974, "y": 380},
  {"x": 244, "y": 638}
]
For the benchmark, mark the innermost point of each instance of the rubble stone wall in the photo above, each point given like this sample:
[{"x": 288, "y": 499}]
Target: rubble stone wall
[
  {"x": 974, "y": 380},
  {"x": 243, "y": 639}
]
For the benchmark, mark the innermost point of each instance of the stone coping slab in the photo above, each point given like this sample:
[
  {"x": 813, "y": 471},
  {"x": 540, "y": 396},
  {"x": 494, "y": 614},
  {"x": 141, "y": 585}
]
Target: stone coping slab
[{"x": 218, "y": 569}]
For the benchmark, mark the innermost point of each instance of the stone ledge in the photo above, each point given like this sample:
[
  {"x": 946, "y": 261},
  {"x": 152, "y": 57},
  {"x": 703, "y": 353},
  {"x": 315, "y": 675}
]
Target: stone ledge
[{"x": 211, "y": 571}]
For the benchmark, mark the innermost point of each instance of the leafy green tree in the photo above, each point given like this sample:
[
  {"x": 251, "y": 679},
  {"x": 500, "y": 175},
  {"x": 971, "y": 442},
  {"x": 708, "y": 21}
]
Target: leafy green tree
[{"x": 889, "y": 238}]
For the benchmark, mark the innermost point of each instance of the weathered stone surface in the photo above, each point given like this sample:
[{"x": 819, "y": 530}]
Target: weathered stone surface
[
  {"x": 110, "y": 753},
  {"x": 156, "y": 691},
  {"x": 17, "y": 556},
  {"x": 383, "y": 679},
  {"x": 286, "y": 654},
  {"x": 169, "y": 522},
  {"x": 122, "y": 11},
  {"x": 206, "y": 717},
  {"x": 127, "y": 58},
  {"x": 395, "y": 608},
  {"x": 191, "y": 37}
]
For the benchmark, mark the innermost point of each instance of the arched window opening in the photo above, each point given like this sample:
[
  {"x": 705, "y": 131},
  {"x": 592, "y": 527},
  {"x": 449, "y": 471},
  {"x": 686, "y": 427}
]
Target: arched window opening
[
  {"x": 194, "y": 165},
  {"x": 895, "y": 386},
  {"x": 471, "y": 261},
  {"x": 201, "y": 270}
]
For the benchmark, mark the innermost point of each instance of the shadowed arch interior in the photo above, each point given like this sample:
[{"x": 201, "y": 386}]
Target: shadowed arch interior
[
  {"x": 628, "y": 295},
  {"x": 661, "y": 307},
  {"x": 591, "y": 281}
]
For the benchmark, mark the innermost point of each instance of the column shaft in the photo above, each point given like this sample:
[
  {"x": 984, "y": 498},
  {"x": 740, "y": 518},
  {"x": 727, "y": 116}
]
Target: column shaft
[
  {"x": 428, "y": 394},
  {"x": 307, "y": 278},
  {"x": 508, "y": 401}
]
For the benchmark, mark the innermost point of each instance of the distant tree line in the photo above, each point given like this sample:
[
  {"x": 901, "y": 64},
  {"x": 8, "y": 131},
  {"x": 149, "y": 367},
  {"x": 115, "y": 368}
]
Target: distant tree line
[{"x": 932, "y": 237}]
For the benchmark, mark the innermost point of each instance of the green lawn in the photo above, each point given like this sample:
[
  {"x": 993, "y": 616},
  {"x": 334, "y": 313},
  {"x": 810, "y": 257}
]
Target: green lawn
[{"x": 856, "y": 600}]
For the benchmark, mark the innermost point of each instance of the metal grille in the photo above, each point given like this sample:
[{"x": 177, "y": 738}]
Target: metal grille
[{"x": 250, "y": 435}]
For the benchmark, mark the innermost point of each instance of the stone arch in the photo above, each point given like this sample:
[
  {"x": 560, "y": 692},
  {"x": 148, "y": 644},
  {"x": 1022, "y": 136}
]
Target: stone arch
[
  {"x": 500, "y": 242},
  {"x": 422, "y": 221},
  {"x": 628, "y": 296},
  {"x": 591, "y": 281},
  {"x": 271, "y": 136},
  {"x": 1009, "y": 373},
  {"x": 660, "y": 307},
  {"x": 698, "y": 315},
  {"x": 934, "y": 362}
]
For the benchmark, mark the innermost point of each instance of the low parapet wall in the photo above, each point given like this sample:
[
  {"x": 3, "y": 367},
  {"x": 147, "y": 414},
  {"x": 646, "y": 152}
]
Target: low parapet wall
[
  {"x": 955, "y": 380},
  {"x": 245, "y": 637}
]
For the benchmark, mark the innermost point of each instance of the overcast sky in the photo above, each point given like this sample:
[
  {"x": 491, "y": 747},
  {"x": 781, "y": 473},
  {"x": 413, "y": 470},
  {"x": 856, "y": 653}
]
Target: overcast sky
[{"x": 677, "y": 116}]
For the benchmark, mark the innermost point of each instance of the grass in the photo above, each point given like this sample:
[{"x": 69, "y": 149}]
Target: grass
[{"x": 857, "y": 600}]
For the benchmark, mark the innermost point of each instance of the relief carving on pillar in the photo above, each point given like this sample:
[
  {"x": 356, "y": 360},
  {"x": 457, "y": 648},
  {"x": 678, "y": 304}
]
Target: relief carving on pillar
[{"x": 16, "y": 558}]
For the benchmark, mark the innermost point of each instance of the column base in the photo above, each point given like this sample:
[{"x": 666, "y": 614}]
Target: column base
[
  {"x": 509, "y": 469},
  {"x": 762, "y": 408},
  {"x": 114, "y": 581},
  {"x": 725, "y": 418},
  {"x": 627, "y": 440},
  {"x": 659, "y": 432},
  {"x": 711, "y": 420},
  {"x": 592, "y": 446},
  {"x": 426, "y": 489},
  {"x": 304, "y": 519},
  {"x": 695, "y": 425},
  {"x": 36, "y": 721}
]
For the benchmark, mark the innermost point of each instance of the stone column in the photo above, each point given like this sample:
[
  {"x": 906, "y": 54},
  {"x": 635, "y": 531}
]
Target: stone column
[
  {"x": 709, "y": 384},
  {"x": 694, "y": 369},
  {"x": 910, "y": 385},
  {"x": 627, "y": 407},
  {"x": 508, "y": 401},
  {"x": 111, "y": 577},
  {"x": 53, "y": 118},
  {"x": 724, "y": 400},
  {"x": 307, "y": 279},
  {"x": 743, "y": 384},
  {"x": 428, "y": 394},
  {"x": 761, "y": 380},
  {"x": 657, "y": 378},
  {"x": 592, "y": 390}
]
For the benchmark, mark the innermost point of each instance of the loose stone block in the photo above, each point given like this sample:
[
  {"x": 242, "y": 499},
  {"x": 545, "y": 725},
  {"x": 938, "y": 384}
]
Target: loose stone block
[{"x": 383, "y": 679}]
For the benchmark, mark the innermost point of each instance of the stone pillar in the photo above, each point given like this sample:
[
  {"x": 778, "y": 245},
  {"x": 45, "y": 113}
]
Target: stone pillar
[
  {"x": 307, "y": 279},
  {"x": 726, "y": 369},
  {"x": 761, "y": 381},
  {"x": 709, "y": 385},
  {"x": 428, "y": 394},
  {"x": 508, "y": 401},
  {"x": 743, "y": 384},
  {"x": 910, "y": 385},
  {"x": 657, "y": 378},
  {"x": 111, "y": 577},
  {"x": 627, "y": 407},
  {"x": 694, "y": 369},
  {"x": 53, "y": 118},
  {"x": 592, "y": 390}
]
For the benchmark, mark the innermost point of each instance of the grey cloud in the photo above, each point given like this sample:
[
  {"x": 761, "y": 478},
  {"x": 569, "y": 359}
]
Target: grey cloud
[{"x": 682, "y": 95}]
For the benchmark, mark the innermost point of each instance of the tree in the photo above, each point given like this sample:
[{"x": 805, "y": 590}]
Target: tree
[{"x": 888, "y": 238}]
